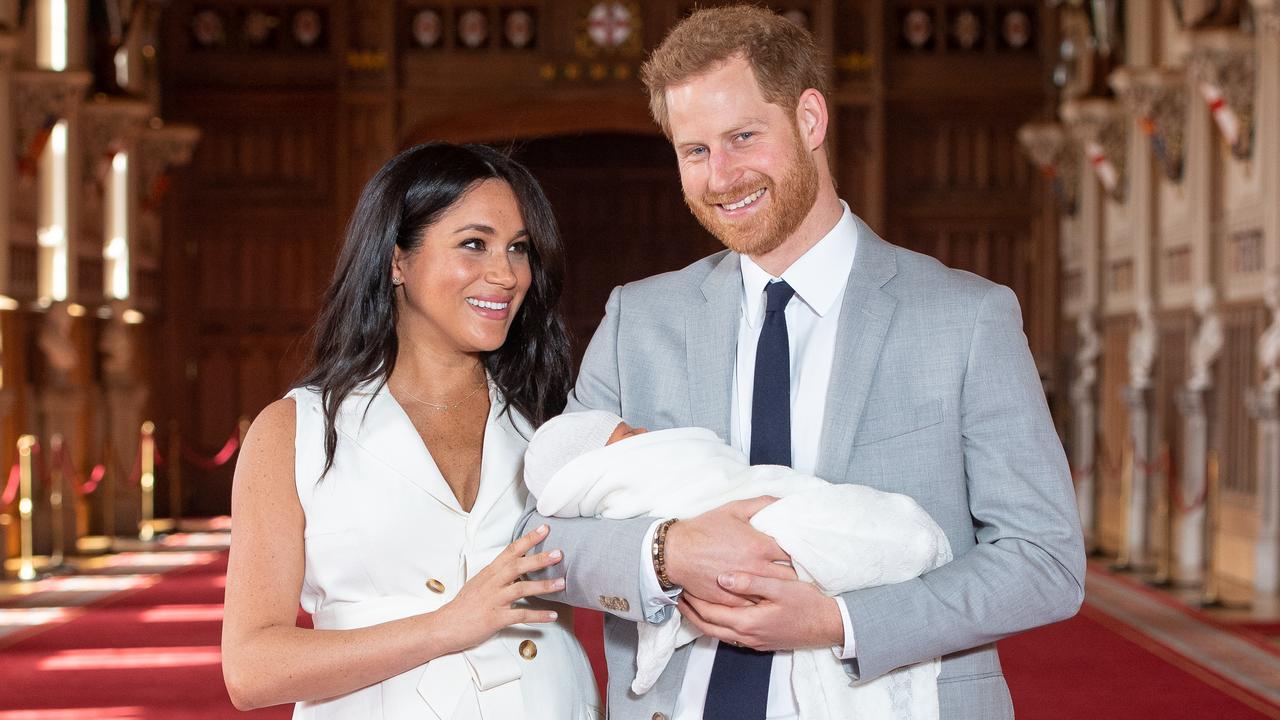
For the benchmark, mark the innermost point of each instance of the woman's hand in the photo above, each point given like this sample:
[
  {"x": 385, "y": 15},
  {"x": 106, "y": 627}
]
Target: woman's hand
[{"x": 484, "y": 604}]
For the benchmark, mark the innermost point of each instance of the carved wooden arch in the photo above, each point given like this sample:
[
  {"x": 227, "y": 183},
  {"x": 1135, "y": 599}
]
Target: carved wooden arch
[{"x": 524, "y": 121}]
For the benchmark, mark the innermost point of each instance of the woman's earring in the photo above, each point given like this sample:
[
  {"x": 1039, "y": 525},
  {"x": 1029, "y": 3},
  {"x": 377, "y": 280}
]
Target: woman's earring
[{"x": 397, "y": 281}]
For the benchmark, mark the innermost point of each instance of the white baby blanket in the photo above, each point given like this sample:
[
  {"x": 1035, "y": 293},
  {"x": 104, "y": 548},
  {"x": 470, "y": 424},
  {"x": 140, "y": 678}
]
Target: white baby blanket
[{"x": 840, "y": 537}]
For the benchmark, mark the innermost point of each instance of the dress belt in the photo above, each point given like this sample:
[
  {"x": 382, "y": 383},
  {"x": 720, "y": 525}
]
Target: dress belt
[{"x": 492, "y": 667}]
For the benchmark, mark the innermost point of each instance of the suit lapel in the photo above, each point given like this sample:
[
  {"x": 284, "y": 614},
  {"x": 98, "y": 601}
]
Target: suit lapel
[
  {"x": 865, "y": 315},
  {"x": 711, "y": 341}
]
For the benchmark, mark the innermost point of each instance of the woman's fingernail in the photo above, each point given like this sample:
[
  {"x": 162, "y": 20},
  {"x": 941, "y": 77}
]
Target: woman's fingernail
[
  {"x": 542, "y": 530},
  {"x": 555, "y": 554},
  {"x": 726, "y": 580},
  {"x": 558, "y": 583},
  {"x": 552, "y": 615}
]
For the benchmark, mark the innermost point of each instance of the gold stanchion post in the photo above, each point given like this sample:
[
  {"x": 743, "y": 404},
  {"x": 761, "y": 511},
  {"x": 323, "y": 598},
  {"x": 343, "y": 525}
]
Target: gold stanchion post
[
  {"x": 27, "y": 566},
  {"x": 147, "y": 448},
  {"x": 57, "y": 484},
  {"x": 175, "y": 475},
  {"x": 1212, "y": 595},
  {"x": 1126, "y": 497},
  {"x": 1164, "y": 510}
]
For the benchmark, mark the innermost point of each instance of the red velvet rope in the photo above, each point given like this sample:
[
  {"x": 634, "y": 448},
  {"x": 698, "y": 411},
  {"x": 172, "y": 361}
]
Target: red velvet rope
[
  {"x": 222, "y": 457},
  {"x": 11, "y": 487}
]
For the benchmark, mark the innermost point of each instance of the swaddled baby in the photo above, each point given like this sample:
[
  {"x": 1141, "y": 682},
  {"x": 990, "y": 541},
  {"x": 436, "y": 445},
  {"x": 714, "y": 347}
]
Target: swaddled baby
[{"x": 841, "y": 537}]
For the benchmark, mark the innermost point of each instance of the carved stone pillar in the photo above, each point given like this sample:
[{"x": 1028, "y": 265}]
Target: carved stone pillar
[
  {"x": 1223, "y": 65},
  {"x": 1190, "y": 517},
  {"x": 1157, "y": 98},
  {"x": 1143, "y": 346},
  {"x": 1100, "y": 127},
  {"x": 1264, "y": 406},
  {"x": 1085, "y": 424},
  {"x": 1057, "y": 156}
]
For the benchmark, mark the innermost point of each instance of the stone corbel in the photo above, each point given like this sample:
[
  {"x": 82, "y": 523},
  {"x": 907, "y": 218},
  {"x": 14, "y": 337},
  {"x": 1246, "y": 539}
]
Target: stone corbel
[
  {"x": 1266, "y": 14},
  {"x": 161, "y": 147},
  {"x": 1224, "y": 67},
  {"x": 110, "y": 126},
  {"x": 1157, "y": 98},
  {"x": 40, "y": 99},
  {"x": 1099, "y": 125},
  {"x": 1057, "y": 156}
]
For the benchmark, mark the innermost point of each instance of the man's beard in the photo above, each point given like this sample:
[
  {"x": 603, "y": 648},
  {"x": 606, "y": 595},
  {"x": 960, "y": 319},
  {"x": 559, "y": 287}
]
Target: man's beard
[{"x": 789, "y": 203}]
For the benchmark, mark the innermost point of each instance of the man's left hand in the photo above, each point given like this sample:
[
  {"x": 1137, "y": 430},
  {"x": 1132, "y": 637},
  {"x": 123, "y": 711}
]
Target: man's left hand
[{"x": 786, "y": 614}]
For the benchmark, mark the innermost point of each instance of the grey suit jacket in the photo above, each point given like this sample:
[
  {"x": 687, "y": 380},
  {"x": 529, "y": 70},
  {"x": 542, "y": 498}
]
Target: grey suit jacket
[{"x": 933, "y": 393}]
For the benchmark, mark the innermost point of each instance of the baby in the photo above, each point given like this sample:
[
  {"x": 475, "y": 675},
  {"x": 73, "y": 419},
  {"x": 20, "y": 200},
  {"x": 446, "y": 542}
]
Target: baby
[{"x": 841, "y": 537}]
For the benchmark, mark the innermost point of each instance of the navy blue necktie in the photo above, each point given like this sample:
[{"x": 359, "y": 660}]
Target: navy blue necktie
[{"x": 739, "y": 686}]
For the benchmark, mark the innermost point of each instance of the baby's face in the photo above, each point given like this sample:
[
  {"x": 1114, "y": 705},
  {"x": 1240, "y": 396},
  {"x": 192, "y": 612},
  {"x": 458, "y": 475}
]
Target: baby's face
[{"x": 624, "y": 431}]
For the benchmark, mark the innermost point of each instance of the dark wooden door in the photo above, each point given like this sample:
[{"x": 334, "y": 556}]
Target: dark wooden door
[{"x": 617, "y": 198}]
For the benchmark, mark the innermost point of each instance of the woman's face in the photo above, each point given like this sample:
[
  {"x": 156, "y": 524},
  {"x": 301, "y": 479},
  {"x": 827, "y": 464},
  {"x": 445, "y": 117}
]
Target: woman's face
[{"x": 463, "y": 286}]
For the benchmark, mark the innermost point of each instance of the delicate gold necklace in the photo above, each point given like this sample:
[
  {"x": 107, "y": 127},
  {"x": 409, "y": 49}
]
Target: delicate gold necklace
[{"x": 446, "y": 407}]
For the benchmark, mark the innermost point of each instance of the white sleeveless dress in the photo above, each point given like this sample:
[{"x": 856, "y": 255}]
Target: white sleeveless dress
[{"x": 386, "y": 539}]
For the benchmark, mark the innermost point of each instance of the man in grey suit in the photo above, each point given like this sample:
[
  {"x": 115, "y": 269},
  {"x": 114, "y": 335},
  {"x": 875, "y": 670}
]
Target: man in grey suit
[{"x": 811, "y": 342}]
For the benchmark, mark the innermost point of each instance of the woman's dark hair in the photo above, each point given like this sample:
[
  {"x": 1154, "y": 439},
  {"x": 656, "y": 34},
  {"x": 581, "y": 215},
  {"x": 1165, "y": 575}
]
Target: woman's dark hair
[{"x": 355, "y": 336}]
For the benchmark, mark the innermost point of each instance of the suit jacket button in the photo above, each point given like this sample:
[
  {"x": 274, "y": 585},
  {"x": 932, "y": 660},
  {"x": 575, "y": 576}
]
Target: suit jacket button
[
  {"x": 435, "y": 586},
  {"x": 616, "y": 604},
  {"x": 528, "y": 650}
]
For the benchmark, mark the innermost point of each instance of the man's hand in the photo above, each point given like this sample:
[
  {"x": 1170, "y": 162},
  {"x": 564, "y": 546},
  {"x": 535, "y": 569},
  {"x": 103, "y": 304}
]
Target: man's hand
[
  {"x": 783, "y": 614},
  {"x": 722, "y": 540}
]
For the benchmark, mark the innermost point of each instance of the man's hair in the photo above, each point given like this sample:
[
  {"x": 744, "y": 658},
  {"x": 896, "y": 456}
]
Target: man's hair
[{"x": 783, "y": 57}]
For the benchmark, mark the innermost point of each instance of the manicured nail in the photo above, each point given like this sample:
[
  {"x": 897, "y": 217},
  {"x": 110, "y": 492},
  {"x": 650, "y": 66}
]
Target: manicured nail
[
  {"x": 726, "y": 580},
  {"x": 555, "y": 554},
  {"x": 552, "y": 615},
  {"x": 557, "y": 584},
  {"x": 542, "y": 530}
]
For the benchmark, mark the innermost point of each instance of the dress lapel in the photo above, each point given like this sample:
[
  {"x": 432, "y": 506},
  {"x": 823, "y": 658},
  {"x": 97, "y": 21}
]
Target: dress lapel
[
  {"x": 377, "y": 423},
  {"x": 711, "y": 339},
  {"x": 502, "y": 456},
  {"x": 865, "y": 315}
]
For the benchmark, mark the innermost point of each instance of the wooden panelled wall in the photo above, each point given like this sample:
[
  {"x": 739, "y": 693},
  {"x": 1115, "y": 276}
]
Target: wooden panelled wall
[{"x": 923, "y": 151}]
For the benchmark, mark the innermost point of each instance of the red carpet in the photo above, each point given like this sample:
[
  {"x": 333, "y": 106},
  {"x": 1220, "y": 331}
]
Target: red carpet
[
  {"x": 145, "y": 655},
  {"x": 153, "y": 653},
  {"x": 1094, "y": 667}
]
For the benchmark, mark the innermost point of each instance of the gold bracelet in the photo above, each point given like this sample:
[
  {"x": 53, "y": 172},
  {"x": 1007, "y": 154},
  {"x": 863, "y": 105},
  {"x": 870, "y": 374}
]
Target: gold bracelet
[{"x": 659, "y": 554}]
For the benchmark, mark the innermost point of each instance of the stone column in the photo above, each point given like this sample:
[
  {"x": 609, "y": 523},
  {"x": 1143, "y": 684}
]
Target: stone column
[
  {"x": 1084, "y": 452},
  {"x": 1264, "y": 405},
  {"x": 1143, "y": 343},
  {"x": 1190, "y": 521}
]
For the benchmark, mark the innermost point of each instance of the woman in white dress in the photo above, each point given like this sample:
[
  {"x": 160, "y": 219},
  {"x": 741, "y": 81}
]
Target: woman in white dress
[{"x": 384, "y": 489}]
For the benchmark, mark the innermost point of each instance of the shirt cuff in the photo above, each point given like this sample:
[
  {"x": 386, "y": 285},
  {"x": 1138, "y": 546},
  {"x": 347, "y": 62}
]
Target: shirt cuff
[
  {"x": 658, "y": 604},
  {"x": 847, "y": 652}
]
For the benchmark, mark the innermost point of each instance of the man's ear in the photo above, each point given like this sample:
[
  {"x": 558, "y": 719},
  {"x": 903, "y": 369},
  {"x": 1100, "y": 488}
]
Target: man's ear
[{"x": 811, "y": 118}]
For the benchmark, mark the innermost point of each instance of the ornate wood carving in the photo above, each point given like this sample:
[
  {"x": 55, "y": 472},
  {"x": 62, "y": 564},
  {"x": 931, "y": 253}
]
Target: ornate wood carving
[
  {"x": 108, "y": 127},
  {"x": 1223, "y": 64},
  {"x": 1158, "y": 99},
  {"x": 41, "y": 97},
  {"x": 1057, "y": 155},
  {"x": 1100, "y": 127}
]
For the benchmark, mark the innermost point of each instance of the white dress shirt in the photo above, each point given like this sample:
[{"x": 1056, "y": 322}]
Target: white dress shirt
[{"x": 813, "y": 316}]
